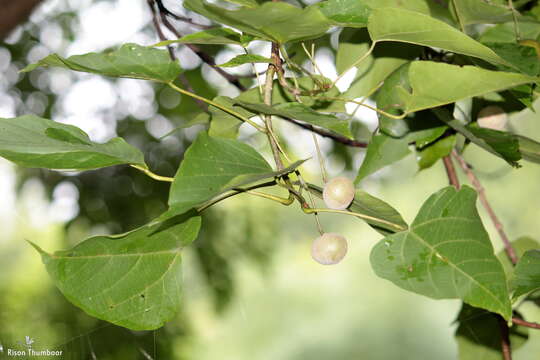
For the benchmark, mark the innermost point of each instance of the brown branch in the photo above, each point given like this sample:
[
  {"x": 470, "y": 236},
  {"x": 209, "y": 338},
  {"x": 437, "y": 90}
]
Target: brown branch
[
  {"x": 525, "y": 323},
  {"x": 167, "y": 12},
  {"x": 14, "y": 13},
  {"x": 483, "y": 199},
  {"x": 162, "y": 37},
  {"x": 451, "y": 171},
  {"x": 209, "y": 60},
  {"x": 505, "y": 339}
]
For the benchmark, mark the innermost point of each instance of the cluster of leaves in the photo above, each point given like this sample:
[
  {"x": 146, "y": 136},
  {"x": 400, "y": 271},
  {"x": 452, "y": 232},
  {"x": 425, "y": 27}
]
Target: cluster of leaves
[{"x": 429, "y": 78}]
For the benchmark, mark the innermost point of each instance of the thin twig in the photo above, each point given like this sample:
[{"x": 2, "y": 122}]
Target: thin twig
[
  {"x": 483, "y": 199},
  {"x": 451, "y": 171},
  {"x": 162, "y": 37},
  {"x": 167, "y": 12},
  {"x": 505, "y": 339},
  {"x": 234, "y": 192},
  {"x": 152, "y": 175},
  {"x": 268, "y": 88},
  {"x": 525, "y": 323},
  {"x": 209, "y": 60}
]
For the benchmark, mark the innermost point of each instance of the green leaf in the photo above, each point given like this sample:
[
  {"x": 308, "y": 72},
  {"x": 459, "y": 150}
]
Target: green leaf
[
  {"x": 306, "y": 84},
  {"x": 369, "y": 205},
  {"x": 246, "y": 59},
  {"x": 506, "y": 32},
  {"x": 407, "y": 91},
  {"x": 523, "y": 58},
  {"x": 131, "y": 280},
  {"x": 212, "y": 166},
  {"x": 219, "y": 36},
  {"x": 478, "y": 335},
  {"x": 520, "y": 245},
  {"x": 298, "y": 111},
  {"x": 223, "y": 124},
  {"x": 33, "y": 141},
  {"x": 499, "y": 143},
  {"x": 129, "y": 61},
  {"x": 446, "y": 254},
  {"x": 352, "y": 13},
  {"x": 393, "y": 24},
  {"x": 382, "y": 150},
  {"x": 274, "y": 21},
  {"x": 529, "y": 149},
  {"x": 527, "y": 273},
  {"x": 425, "y": 137},
  {"x": 432, "y": 153},
  {"x": 355, "y": 13},
  {"x": 480, "y": 12}
]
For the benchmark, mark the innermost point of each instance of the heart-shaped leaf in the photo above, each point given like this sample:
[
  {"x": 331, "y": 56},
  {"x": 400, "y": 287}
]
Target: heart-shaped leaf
[
  {"x": 131, "y": 280},
  {"x": 129, "y": 61},
  {"x": 33, "y": 141},
  {"x": 446, "y": 254}
]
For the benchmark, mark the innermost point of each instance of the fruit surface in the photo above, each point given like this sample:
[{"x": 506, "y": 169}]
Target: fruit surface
[
  {"x": 338, "y": 193},
  {"x": 329, "y": 248}
]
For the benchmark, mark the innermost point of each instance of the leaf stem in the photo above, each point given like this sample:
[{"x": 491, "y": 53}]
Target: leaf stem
[
  {"x": 353, "y": 65},
  {"x": 237, "y": 191},
  {"x": 483, "y": 199},
  {"x": 361, "y": 103},
  {"x": 152, "y": 175},
  {"x": 361, "y": 216},
  {"x": 219, "y": 106}
]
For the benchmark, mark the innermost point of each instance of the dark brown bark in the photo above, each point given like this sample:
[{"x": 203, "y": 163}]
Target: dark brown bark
[{"x": 13, "y": 13}]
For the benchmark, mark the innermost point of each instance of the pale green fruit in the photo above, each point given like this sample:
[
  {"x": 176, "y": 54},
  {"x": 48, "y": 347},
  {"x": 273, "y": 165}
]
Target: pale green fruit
[
  {"x": 492, "y": 117},
  {"x": 338, "y": 193},
  {"x": 329, "y": 249}
]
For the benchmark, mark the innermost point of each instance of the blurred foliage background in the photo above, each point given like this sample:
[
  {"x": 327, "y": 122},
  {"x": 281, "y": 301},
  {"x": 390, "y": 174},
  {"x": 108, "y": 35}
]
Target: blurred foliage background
[{"x": 251, "y": 289}]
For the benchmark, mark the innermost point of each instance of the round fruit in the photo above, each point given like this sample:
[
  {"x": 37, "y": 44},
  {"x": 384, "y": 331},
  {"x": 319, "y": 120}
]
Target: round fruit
[
  {"x": 329, "y": 249},
  {"x": 492, "y": 117},
  {"x": 338, "y": 193}
]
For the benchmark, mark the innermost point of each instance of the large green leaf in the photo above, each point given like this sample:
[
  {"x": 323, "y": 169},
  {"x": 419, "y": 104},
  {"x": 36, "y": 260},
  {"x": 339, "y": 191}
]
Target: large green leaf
[
  {"x": 407, "y": 90},
  {"x": 446, "y": 254},
  {"x": 274, "y": 21},
  {"x": 382, "y": 150},
  {"x": 129, "y": 61},
  {"x": 355, "y": 13},
  {"x": 212, "y": 166},
  {"x": 298, "y": 111},
  {"x": 367, "y": 204},
  {"x": 33, "y": 141},
  {"x": 529, "y": 149},
  {"x": 481, "y": 12},
  {"x": 527, "y": 273},
  {"x": 394, "y": 24},
  {"x": 132, "y": 280},
  {"x": 506, "y": 32},
  {"x": 478, "y": 335}
]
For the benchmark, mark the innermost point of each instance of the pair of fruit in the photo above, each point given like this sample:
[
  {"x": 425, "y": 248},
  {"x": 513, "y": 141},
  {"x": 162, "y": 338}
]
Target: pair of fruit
[{"x": 330, "y": 248}]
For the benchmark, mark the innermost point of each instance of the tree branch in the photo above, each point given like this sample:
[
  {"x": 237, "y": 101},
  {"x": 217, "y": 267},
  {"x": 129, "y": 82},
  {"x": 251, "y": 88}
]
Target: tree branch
[
  {"x": 268, "y": 87},
  {"x": 325, "y": 133},
  {"x": 525, "y": 323},
  {"x": 483, "y": 199},
  {"x": 505, "y": 339},
  {"x": 167, "y": 12},
  {"x": 209, "y": 60},
  {"x": 451, "y": 171},
  {"x": 14, "y": 13}
]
